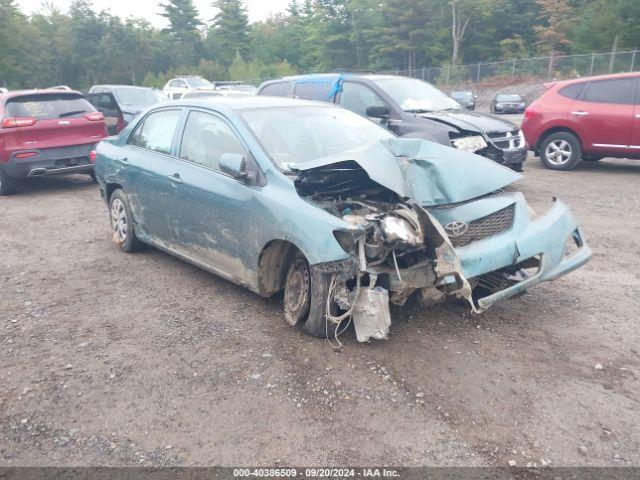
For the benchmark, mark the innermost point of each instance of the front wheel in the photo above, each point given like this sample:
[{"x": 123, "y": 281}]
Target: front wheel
[
  {"x": 560, "y": 151},
  {"x": 122, "y": 222},
  {"x": 306, "y": 291}
]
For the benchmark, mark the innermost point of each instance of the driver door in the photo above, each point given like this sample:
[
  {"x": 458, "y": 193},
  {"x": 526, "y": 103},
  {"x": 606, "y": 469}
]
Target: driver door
[{"x": 211, "y": 209}]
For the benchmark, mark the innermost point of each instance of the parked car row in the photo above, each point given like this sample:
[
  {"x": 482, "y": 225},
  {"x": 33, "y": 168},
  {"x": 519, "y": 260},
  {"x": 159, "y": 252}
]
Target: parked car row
[
  {"x": 346, "y": 210},
  {"x": 194, "y": 86}
]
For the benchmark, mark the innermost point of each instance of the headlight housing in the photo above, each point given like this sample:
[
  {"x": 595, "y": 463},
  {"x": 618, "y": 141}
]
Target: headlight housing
[
  {"x": 499, "y": 105},
  {"x": 470, "y": 144}
]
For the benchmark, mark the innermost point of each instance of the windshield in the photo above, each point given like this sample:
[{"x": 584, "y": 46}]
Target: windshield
[
  {"x": 142, "y": 97},
  {"x": 295, "y": 135},
  {"x": 508, "y": 98},
  {"x": 416, "y": 96},
  {"x": 462, "y": 95},
  {"x": 198, "y": 82}
]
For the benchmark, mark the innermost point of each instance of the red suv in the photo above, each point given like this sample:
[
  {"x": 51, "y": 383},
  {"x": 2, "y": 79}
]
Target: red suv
[
  {"x": 46, "y": 132},
  {"x": 588, "y": 119}
]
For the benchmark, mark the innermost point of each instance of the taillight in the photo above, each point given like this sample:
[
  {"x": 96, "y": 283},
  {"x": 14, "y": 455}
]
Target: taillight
[
  {"x": 13, "y": 122},
  {"x": 529, "y": 112},
  {"x": 94, "y": 116},
  {"x": 92, "y": 156},
  {"x": 25, "y": 154}
]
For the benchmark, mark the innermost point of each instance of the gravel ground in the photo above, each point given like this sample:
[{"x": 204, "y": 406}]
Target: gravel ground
[{"x": 115, "y": 359}]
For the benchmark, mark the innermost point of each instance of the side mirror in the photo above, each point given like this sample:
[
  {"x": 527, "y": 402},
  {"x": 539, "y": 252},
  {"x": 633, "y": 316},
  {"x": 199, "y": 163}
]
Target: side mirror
[
  {"x": 377, "y": 112},
  {"x": 234, "y": 165}
]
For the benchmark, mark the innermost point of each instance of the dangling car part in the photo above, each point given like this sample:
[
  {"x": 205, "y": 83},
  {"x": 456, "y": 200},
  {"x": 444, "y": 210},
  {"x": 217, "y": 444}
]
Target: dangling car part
[{"x": 316, "y": 201}]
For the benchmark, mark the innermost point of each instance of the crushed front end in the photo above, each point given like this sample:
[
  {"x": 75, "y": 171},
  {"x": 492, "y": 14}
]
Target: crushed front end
[{"x": 431, "y": 239}]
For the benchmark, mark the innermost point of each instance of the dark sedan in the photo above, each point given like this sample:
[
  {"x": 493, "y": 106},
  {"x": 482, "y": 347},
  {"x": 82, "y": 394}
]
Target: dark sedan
[
  {"x": 508, "y": 103},
  {"x": 466, "y": 98}
]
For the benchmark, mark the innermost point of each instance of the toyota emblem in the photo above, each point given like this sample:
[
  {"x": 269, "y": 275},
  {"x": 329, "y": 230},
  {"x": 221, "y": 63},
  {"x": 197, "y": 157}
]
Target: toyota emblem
[{"x": 456, "y": 229}]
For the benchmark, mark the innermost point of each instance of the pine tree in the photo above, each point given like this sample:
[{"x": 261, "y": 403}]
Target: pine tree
[
  {"x": 183, "y": 30},
  {"x": 552, "y": 36},
  {"x": 230, "y": 30}
]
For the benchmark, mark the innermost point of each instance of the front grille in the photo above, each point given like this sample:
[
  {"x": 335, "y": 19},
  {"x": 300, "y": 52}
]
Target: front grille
[
  {"x": 505, "y": 140},
  {"x": 486, "y": 226}
]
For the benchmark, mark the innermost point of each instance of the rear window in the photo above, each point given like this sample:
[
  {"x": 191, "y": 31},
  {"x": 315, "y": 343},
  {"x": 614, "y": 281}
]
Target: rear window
[
  {"x": 617, "y": 91},
  {"x": 48, "y": 105},
  {"x": 572, "y": 91},
  {"x": 278, "y": 89}
]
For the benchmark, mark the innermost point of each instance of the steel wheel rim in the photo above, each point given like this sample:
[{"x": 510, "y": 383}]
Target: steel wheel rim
[
  {"x": 558, "y": 152},
  {"x": 297, "y": 292},
  {"x": 119, "y": 220}
]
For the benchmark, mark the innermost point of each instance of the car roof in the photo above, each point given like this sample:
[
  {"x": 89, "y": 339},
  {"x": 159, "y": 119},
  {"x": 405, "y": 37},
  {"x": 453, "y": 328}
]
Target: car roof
[
  {"x": 246, "y": 103},
  {"x": 596, "y": 77},
  {"x": 330, "y": 76},
  {"x": 108, "y": 87},
  {"x": 21, "y": 93}
]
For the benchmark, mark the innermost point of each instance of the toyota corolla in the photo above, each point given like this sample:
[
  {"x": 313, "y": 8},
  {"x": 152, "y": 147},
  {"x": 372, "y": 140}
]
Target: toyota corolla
[{"x": 343, "y": 216}]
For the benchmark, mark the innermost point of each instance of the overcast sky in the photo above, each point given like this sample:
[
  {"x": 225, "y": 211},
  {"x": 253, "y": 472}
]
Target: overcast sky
[{"x": 148, "y": 9}]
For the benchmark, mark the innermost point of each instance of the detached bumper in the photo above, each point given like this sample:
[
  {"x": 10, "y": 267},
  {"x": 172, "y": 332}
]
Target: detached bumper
[
  {"x": 49, "y": 161},
  {"x": 544, "y": 238}
]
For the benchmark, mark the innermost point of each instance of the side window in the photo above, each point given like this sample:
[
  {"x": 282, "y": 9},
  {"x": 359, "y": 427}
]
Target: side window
[
  {"x": 619, "y": 91},
  {"x": 572, "y": 91},
  {"x": 313, "y": 90},
  {"x": 205, "y": 138},
  {"x": 357, "y": 98},
  {"x": 279, "y": 89},
  {"x": 156, "y": 131}
]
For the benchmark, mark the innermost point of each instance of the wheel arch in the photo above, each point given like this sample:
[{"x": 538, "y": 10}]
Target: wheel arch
[
  {"x": 109, "y": 189},
  {"x": 273, "y": 261},
  {"x": 557, "y": 129}
]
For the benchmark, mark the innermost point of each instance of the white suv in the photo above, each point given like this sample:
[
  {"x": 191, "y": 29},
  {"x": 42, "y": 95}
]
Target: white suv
[{"x": 177, "y": 86}]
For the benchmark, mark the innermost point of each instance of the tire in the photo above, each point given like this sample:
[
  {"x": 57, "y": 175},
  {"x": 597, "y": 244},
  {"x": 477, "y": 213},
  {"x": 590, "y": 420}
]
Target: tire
[
  {"x": 516, "y": 167},
  {"x": 92, "y": 175},
  {"x": 121, "y": 222},
  {"x": 7, "y": 184},
  {"x": 305, "y": 298},
  {"x": 560, "y": 151},
  {"x": 492, "y": 109}
]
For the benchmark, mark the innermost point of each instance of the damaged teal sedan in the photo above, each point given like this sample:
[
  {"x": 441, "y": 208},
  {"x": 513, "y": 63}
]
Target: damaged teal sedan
[{"x": 316, "y": 201}]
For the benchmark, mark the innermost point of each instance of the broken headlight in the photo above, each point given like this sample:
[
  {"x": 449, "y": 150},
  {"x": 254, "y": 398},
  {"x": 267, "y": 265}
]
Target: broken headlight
[
  {"x": 470, "y": 144},
  {"x": 398, "y": 229}
]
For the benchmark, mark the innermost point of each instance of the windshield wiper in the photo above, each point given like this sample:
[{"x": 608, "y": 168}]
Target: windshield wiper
[
  {"x": 418, "y": 110},
  {"x": 68, "y": 114}
]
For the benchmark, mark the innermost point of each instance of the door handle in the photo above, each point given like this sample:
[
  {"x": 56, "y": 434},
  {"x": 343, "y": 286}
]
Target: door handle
[
  {"x": 175, "y": 178},
  {"x": 579, "y": 112},
  {"x": 637, "y": 115}
]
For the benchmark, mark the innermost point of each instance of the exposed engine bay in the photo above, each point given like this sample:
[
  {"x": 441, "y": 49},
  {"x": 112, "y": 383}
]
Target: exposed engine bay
[{"x": 397, "y": 246}]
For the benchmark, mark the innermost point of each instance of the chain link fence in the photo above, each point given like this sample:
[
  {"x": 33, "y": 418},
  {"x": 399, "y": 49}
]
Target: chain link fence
[{"x": 541, "y": 68}]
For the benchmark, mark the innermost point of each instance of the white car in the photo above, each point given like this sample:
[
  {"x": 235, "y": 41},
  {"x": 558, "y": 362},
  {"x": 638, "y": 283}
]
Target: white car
[{"x": 179, "y": 85}]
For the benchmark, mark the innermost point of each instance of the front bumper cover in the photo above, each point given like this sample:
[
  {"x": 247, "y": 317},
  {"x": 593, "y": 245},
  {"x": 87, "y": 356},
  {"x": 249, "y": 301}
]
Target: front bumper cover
[{"x": 544, "y": 237}]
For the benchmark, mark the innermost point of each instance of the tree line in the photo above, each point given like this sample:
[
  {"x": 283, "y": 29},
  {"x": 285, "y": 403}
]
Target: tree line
[{"x": 81, "y": 47}]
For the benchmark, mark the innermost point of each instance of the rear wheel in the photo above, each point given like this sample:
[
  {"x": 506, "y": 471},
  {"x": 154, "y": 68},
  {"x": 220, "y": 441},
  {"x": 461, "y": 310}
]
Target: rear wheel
[
  {"x": 92, "y": 175},
  {"x": 305, "y": 298},
  {"x": 560, "y": 151},
  {"x": 122, "y": 222},
  {"x": 7, "y": 184}
]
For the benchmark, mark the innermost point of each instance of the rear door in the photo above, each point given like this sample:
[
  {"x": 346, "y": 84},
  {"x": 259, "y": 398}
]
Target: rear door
[
  {"x": 61, "y": 120},
  {"x": 106, "y": 103},
  {"x": 635, "y": 131},
  {"x": 147, "y": 164},
  {"x": 604, "y": 113}
]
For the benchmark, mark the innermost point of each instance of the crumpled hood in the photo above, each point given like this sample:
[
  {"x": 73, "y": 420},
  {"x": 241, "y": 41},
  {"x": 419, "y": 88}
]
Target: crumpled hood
[
  {"x": 425, "y": 172},
  {"x": 472, "y": 121}
]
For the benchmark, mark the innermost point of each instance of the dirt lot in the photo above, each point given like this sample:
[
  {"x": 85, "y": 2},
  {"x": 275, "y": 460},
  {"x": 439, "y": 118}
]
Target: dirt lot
[{"x": 115, "y": 359}]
